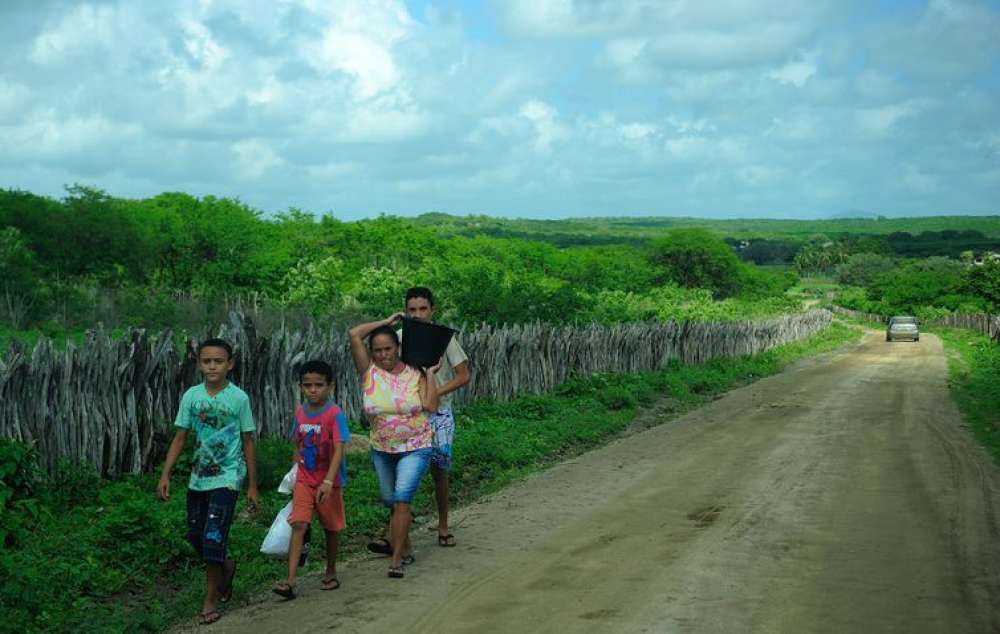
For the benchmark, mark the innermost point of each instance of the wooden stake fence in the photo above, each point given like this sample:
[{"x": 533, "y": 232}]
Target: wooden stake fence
[
  {"x": 988, "y": 325},
  {"x": 111, "y": 402}
]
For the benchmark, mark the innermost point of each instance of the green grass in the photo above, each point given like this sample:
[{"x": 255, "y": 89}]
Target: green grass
[
  {"x": 974, "y": 382},
  {"x": 121, "y": 560}
]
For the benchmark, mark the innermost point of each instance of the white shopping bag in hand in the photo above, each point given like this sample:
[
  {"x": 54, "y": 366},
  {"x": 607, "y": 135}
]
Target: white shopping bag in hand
[
  {"x": 288, "y": 482},
  {"x": 278, "y": 538}
]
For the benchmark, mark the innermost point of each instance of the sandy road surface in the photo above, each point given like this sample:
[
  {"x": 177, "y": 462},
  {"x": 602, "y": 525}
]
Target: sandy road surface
[{"x": 840, "y": 496}]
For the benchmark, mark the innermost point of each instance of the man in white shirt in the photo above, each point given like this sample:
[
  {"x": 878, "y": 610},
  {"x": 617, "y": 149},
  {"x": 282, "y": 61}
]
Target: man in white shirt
[{"x": 453, "y": 374}]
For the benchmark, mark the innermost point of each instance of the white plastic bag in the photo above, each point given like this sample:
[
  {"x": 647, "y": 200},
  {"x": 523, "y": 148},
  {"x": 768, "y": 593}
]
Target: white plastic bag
[
  {"x": 288, "y": 482},
  {"x": 278, "y": 538}
]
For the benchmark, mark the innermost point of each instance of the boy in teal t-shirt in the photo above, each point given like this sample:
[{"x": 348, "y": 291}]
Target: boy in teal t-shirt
[{"x": 219, "y": 414}]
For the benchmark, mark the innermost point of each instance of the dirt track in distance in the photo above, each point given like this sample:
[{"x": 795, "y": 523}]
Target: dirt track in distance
[{"x": 843, "y": 495}]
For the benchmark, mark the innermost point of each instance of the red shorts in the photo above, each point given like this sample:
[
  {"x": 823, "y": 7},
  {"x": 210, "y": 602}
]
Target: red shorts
[{"x": 331, "y": 511}]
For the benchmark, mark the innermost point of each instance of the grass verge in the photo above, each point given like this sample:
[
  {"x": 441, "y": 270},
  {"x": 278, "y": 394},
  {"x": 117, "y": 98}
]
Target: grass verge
[
  {"x": 81, "y": 554},
  {"x": 974, "y": 382}
]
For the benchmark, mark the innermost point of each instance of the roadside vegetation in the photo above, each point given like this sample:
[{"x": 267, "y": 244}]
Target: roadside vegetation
[
  {"x": 178, "y": 261},
  {"x": 120, "y": 557},
  {"x": 974, "y": 381}
]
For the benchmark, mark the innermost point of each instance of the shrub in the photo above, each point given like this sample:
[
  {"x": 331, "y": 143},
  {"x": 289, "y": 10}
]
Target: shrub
[
  {"x": 70, "y": 484},
  {"x": 274, "y": 459},
  {"x": 616, "y": 397},
  {"x": 19, "y": 479}
]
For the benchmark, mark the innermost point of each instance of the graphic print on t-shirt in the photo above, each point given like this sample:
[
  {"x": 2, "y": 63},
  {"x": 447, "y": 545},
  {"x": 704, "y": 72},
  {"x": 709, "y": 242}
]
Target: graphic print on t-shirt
[
  {"x": 315, "y": 434},
  {"x": 310, "y": 448},
  {"x": 215, "y": 437}
]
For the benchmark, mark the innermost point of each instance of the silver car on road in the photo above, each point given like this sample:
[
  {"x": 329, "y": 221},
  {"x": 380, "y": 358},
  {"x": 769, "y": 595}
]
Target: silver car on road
[{"x": 902, "y": 327}]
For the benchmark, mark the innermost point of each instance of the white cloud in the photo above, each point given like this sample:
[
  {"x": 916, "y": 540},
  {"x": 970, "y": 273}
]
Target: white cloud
[
  {"x": 358, "y": 41},
  {"x": 795, "y": 128},
  {"x": 47, "y": 137},
  {"x": 575, "y": 18},
  {"x": 796, "y": 73},
  {"x": 637, "y": 131},
  {"x": 726, "y": 49},
  {"x": 254, "y": 158},
  {"x": 202, "y": 47},
  {"x": 84, "y": 28},
  {"x": 545, "y": 120},
  {"x": 880, "y": 121},
  {"x": 14, "y": 100},
  {"x": 575, "y": 106}
]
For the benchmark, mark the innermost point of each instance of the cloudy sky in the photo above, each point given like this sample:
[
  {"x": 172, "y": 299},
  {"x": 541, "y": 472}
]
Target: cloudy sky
[{"x": 529, "y": 108}]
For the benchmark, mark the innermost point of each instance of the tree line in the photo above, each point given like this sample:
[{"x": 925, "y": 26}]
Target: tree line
[{"x": 175, "y": 259}]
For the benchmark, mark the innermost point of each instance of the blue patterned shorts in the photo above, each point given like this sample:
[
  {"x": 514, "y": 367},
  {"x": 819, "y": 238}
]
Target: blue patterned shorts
[
  {"x": 443, "y": 422},
  {"x": 209, "y": 516}
]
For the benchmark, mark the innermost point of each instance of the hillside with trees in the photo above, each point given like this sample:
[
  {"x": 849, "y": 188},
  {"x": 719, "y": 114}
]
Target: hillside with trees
[{"x": 176, "y": 260}]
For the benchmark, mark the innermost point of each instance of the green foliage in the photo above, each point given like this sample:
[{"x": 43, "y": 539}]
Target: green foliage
[
  {"x": 638, "y": 230},
  {"x": 19, "y": 477},
  {"x": 764, "y": 250},
  {"x": 671, "y": 302},
  {"x": 932, "y": 282},
  {"x": 694, "y": 258},
  {"x": 317, "y": 285},
  {"x": 380, "y": 290},
  {"x": 820, "y": 257},
  {"x": 69, "y": 485},
  {"x": 927, "y": 288},
  {"x": 616, "y": 398},
  {"x": 974, "y": 382},
  {"x": 274, "y": 459},
  {"x": 949, "y": 242},
  {"x": 19, "y": 293},
  {"x": 180, "y": 260},
  {"x": 984, "y": 282},
  {"x": 862, "y": 269}
]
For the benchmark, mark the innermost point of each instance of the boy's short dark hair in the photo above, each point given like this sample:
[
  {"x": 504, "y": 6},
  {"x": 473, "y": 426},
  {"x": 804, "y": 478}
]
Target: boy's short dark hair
[
  {"x": 420, "y": 291},
  {"x": 215, "y": 342},
  {"x": 317, "y": 366}
]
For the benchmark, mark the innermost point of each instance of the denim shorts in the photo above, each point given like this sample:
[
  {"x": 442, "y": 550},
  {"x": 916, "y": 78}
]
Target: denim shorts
[
  {"x": 399, "y": 474},
  {"x": 209, "y": 516}
]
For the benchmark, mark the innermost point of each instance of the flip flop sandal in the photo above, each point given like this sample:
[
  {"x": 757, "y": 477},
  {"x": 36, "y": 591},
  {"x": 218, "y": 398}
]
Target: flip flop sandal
[
  {"x": 380, "y": 546},
  {"x": 331, "y": 583},
  {"x": 207, "y": 618},
  {"x": 396, "y": 572},
  {"x": 226, "y": 591},
  {"x": 408, "y": 559},
  {"x": 446, "y": 541},
  {"x": 284, "y": 590}
]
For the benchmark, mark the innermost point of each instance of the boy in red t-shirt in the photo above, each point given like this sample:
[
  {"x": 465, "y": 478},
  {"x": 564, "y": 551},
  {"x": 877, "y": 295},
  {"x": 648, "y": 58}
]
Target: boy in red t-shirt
[{"x": 320, "y": 432}]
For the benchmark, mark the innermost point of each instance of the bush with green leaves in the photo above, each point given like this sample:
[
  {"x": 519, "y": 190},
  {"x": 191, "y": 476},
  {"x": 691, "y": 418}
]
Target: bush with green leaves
[
  {"x": 983, "y": 281},
  {"x": 862, "y": 269}
]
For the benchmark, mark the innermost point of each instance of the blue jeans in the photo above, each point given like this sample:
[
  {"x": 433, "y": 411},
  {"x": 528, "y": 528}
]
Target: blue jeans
[{"x": 399, "y": 473}]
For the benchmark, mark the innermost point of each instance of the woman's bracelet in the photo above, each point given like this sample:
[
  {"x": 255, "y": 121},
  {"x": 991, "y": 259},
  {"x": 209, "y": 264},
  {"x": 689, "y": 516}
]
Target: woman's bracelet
[{"x": 330, "y": 482}]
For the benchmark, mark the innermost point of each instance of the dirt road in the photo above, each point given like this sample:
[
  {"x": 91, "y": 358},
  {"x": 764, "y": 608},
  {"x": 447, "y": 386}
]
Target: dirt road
[{"x": 843, "y": 495}]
